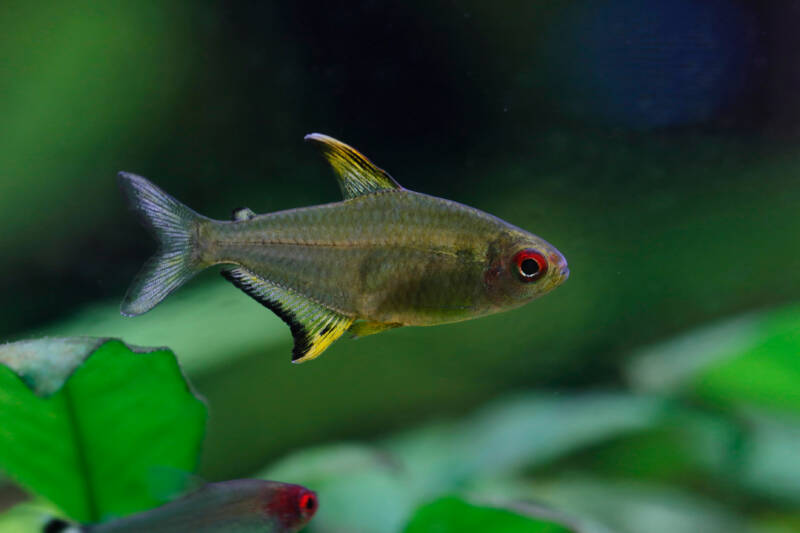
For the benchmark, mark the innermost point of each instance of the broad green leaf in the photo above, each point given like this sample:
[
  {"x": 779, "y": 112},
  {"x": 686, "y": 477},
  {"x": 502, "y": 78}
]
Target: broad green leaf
[
  {"x": 84, "y": 421},
  {"x": 454, "y": 515}
]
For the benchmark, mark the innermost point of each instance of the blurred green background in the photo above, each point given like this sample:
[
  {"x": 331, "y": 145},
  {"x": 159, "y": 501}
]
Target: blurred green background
[{"x": 655, "y": 143}]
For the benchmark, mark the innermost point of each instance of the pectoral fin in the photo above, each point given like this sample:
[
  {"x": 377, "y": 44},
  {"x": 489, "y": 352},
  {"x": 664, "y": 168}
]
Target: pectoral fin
[
  {"x": 314, "y": 326},
  {"x": 364, "y": 328},
  {"x": 357, "y": 175}
]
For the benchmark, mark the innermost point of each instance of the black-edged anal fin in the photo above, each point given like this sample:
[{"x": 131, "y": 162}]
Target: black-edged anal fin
[
  {"x": 357, "y": 175},
  {"x": 314, "y": 326}
]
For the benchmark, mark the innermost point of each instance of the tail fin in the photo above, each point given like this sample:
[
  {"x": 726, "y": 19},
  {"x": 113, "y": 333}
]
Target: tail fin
[{"x": 175, "y": 227}]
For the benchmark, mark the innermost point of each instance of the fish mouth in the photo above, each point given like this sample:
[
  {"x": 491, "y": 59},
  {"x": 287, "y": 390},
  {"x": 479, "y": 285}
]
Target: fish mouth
[{"x": 560, "y": 265}]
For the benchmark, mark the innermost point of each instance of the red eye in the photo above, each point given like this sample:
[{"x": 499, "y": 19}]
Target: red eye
[
  {"x": 531, "y": 265},
  {"x": 308, "y": 503}
]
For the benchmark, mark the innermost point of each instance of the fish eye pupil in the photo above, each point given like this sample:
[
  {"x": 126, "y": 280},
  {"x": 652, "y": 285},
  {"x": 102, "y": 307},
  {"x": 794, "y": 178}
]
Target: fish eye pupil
[{"x": 529, "y": 267}]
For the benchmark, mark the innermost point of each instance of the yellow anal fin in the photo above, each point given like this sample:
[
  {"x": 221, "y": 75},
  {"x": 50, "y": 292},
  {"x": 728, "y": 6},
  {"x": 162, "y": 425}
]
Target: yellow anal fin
[
  {"x": 314, "y": 326},
  {"x": 357, "y": 175},
  {"x": 318, "y": 339},
  {"x": 364, "y": 328}
]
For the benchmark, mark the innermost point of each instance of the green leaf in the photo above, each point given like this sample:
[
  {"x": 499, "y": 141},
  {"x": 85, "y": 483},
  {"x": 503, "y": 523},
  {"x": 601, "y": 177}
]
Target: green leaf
[
  {"x": 684, "y": 443},
  {"x": 519, "y": 432},
  {"x": 633, "y": 507},
  {"x": 767, "y": 464},
  {"x": 455, "y": 515},
  {"x": 30, "y": 517},
  {"x": 748, "y": 361},
  {"x": 375, "y": 490},
  {"x": 83, "y": 422}
]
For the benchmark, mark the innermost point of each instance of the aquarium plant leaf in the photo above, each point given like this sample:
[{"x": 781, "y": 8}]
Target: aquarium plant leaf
[
  {"x": 635, "y": 507},
  {"x": 750, "y": 361},
  {"x": 376, "y": 490},
  {"x": 454, "y": 515},
  {"x": 84, "y": 421},
  {"x": 31, "y": 516}
]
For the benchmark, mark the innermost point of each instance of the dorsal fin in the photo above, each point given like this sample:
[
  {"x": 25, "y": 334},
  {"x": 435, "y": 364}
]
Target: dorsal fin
[
  {"x": 357, "y": 175},
  {"x": 242, "y": 213},
  {"x": 314, "y": 326}
]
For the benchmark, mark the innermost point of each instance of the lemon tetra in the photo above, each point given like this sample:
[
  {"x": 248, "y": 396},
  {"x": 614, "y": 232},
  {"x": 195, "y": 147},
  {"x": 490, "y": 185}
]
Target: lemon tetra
[{"x": 384, "y": 257}]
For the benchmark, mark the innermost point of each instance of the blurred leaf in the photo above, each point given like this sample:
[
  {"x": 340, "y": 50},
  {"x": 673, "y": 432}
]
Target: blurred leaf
[
  {"x": 752, "y": 360},
  {"x": 318, "y": 465},
  {"x": 97, "y": 434},
  {"x": 768, "y": 462},
  {"x": 667, "y": 367},
  {"x": 458, "y": 516},
  {"x": 750, "y": 367},
  {"x": 777, "y": 523},
  {"x": 524, "y": 431},
  {"x": 374, "y": 490},
  {"x": 207, "y": 324},
  {"x": 632, "y": 507},
  {"x": 26, "y": 517},
  {"x": 683, "y": 444},
  {"x": 519, "y": 432}
]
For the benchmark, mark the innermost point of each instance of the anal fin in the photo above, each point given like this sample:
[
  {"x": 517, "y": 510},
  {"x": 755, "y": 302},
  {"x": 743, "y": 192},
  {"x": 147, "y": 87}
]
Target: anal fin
[
  {"x": 314, "y": 326},
  {"x": 365, "y": 327}
]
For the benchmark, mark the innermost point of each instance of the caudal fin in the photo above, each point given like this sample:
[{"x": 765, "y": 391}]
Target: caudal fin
[{"x": 175, "y": 227}]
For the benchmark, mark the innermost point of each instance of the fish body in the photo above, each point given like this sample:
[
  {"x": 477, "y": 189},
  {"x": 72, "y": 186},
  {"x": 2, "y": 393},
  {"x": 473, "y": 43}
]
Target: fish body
[
  {"x": 239, "y": 506},
  {"x": 396, "y": 257},
  {"x": 384, "y": 257}
]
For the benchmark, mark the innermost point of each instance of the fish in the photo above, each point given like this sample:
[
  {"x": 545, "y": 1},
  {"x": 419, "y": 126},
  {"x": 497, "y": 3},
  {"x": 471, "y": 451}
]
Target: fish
[
  {"x": 237, "y": 506},
  {"x": 382, "y": 258}
]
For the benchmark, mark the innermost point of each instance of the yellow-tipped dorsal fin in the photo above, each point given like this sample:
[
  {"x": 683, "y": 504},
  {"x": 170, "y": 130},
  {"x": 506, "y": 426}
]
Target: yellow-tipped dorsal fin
[{"x": 357, "y": 175}]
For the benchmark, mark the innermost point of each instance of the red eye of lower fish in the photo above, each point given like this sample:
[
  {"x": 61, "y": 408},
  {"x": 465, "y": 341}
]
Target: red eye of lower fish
[
  {"x": 308, "y": 503},
  {"x": 531, "y": 265}
]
